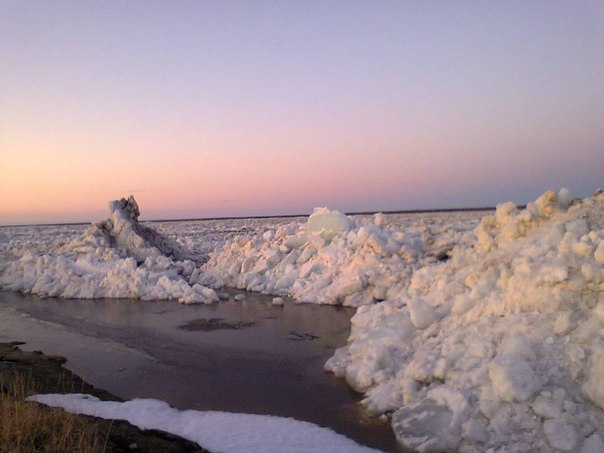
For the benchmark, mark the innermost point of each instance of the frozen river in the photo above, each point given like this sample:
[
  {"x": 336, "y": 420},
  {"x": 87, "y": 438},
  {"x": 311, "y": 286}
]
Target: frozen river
[
  {"x": 475, "y": 330},
  {"x": 248, "y": 356}
]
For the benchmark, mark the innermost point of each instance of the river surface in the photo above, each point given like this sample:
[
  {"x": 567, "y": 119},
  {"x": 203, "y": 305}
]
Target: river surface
[{"x": 238, "y": 356}]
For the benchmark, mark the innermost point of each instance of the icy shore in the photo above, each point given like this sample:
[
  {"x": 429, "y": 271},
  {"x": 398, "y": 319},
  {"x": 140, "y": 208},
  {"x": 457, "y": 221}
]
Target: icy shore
[{"x": 470, "y": 336}]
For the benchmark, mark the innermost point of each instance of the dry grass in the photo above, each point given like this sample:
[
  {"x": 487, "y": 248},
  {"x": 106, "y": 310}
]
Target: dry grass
[{"x": 28, "y": 427}]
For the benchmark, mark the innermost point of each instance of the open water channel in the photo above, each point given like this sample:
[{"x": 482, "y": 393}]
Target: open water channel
[{"x": 238, "y": 356}]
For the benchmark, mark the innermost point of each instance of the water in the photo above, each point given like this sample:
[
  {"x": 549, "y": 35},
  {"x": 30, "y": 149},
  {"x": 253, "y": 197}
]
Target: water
[{"x": 247, "y": 356}]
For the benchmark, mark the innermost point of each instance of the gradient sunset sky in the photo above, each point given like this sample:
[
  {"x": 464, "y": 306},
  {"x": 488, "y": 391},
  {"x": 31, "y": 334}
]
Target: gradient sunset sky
[{"x": 203, "y": 108}]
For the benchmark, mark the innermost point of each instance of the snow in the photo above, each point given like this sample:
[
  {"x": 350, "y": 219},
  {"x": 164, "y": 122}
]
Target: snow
[
  {"x": 489, "y": 329},
  {"x": 215, "y": 431}
]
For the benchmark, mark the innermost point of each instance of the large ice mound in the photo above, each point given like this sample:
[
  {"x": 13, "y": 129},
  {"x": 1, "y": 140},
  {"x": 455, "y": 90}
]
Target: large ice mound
[
  {"x": 116, "y": 258},
  {"x": 330, "y": 259},
  {"x": 500, "y": 348},
  {"x": 123, "y": 230}
]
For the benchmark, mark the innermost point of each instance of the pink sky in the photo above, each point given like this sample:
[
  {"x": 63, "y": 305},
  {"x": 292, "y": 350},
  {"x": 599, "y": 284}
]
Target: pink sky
[{"x": 204, "y": 109}]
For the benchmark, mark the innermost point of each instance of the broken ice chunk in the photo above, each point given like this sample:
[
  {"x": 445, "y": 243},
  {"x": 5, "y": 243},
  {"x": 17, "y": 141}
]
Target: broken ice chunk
[
  {"x": 475, "y": 431},
  {"x": 547, "y": 407},
  {"x": 421, "y": 313},
  {"x": 599, "y": 253},
  {"x": 513, "y": 378},
  {"x": 517, "y": 344},
  {"x": 560, "y": 435},
  {"x": 594, "y": 385},
  {"x": 593, "y": 444},
  {"x": 433, "y": 423}
]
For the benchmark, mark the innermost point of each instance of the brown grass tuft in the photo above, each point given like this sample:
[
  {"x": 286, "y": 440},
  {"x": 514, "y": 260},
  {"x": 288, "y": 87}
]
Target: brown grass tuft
[{"x": 27, "y": 427}]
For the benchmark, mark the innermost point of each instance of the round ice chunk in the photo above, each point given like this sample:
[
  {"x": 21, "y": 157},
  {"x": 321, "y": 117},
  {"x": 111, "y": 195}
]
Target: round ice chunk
[
  {"x": 513, "y": 378},
  {"x": 278, "y": 301},
  {"x": 560, "y": 435},
  {"x": 517, "y": 344},
  {"x": 547, "y": 407},
  {"x": 327, "y": 223},
  {"x": 461, "y": 304},
  {"x": 564, "y": 198},
  {"x": 421, "y": 313}
]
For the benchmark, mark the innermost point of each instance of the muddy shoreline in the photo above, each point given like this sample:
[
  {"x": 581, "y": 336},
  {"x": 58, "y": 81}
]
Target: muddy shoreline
[{"x": 49, "y": 376}]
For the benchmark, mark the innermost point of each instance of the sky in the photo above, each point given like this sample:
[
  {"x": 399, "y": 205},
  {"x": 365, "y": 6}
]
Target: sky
[{"x": 227, "y": 108}]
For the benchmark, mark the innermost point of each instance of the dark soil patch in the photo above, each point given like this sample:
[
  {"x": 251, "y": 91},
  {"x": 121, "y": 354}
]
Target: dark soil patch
[{"x": 49, "y": 376}]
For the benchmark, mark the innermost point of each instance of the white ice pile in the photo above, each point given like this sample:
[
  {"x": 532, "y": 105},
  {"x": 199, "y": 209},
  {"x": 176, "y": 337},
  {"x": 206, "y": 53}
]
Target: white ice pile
[
  {"x": 115, "y": 258},
  {"x": 330, "y": 259},
  {"x": 215, "y": 431},
  {"x": 500, "y": 348}
]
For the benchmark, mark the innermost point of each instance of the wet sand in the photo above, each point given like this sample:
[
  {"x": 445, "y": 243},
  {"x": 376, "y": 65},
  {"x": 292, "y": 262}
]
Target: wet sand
[{"x": 247, "y": 356}]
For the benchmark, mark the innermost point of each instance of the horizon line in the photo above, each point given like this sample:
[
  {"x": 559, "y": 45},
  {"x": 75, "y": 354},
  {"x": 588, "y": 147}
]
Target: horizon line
[{"x": 280, "y": 216}]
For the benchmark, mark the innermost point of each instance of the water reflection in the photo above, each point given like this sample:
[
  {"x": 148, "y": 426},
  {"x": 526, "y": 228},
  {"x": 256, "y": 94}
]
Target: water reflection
[{"x": 138, "y": 349}]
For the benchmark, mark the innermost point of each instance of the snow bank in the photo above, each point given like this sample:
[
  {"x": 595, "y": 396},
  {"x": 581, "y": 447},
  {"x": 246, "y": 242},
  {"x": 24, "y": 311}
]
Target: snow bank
[
  {"x": 215, "y": 431},
  {"x": 502, "y": 346},
  {"x": 116, "y": 258},
  {"x": 331, "y": 259}
]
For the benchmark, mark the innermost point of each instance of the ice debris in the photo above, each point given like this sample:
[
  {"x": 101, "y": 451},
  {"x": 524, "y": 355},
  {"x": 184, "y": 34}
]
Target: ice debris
[{"x": 330, "y": 259}]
